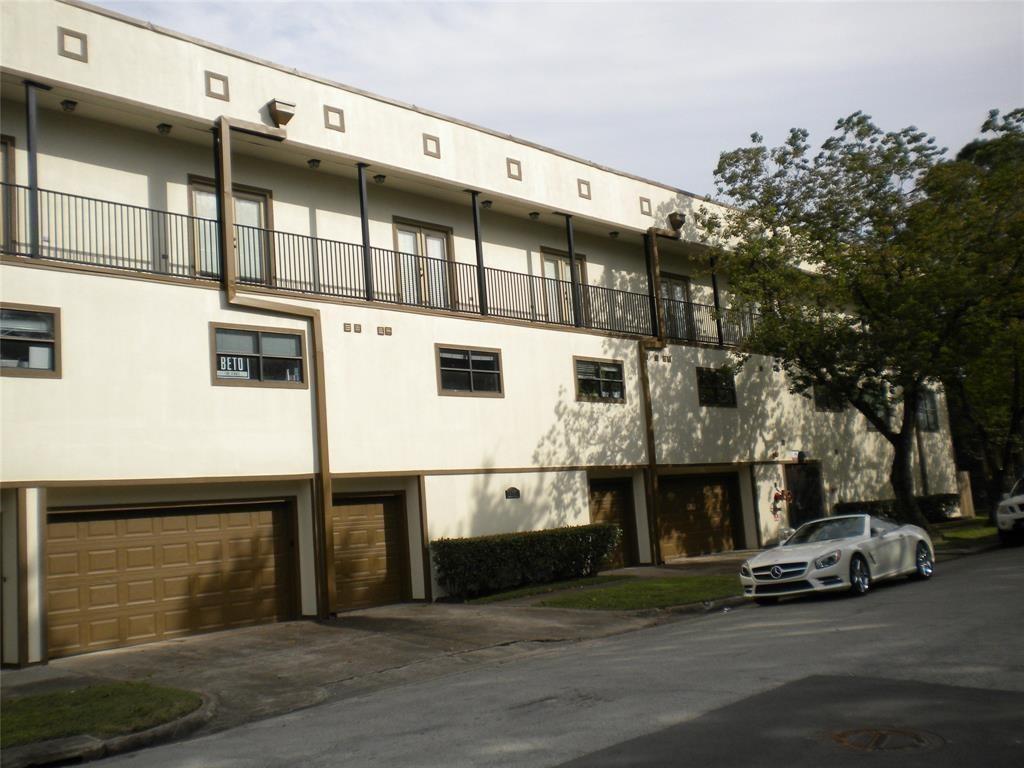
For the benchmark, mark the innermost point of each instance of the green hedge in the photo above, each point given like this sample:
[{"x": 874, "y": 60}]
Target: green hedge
[
  {"x": 935, "y": 508},
  {"x": 487, "y": 564}
]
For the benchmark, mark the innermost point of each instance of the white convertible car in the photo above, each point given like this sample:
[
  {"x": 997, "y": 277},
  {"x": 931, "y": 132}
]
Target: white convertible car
[{"x": 838, "y": 553}]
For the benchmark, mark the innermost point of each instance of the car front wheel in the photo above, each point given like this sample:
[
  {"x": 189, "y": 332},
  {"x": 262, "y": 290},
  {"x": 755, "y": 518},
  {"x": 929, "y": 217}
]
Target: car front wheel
[
  {"x": 924, "y": 561},
  {"x": 860, "y": 576}
]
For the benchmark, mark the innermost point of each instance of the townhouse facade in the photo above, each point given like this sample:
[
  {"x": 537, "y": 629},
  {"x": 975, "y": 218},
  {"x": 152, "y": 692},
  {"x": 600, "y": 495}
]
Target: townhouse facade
[{"x": 266, "y": 336}]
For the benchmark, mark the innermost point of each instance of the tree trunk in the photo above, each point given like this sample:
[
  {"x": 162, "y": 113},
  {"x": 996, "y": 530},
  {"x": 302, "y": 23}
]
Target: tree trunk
[{"x": 901, "y": 476}]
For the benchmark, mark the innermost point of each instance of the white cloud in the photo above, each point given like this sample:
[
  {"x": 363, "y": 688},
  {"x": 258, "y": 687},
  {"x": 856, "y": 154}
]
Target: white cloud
[{"x": 653, "y": 88}]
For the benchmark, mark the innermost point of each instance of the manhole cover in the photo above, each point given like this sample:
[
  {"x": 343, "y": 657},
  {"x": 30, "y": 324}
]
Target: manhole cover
[{"x": 885, "y": 739}]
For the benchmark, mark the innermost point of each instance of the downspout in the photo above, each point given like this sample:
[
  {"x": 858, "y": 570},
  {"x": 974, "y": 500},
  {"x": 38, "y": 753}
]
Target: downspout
[{"x": 323, "y": 490}]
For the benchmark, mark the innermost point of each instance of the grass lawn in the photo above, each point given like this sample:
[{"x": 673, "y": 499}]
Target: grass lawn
[
  {"x": 971, "y": 531},
  {"x": 543, "y": 589},
  {"x": 104, "y": 710},
  {"x": 639, "y": 593}
]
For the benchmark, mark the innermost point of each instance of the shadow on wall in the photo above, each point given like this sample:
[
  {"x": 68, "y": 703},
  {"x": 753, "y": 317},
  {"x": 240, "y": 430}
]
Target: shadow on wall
[{"x": 252, "y": 579}]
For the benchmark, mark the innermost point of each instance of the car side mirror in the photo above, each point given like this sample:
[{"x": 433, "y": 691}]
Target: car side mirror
[
  {"x": 784, "y": 534},
  {"x": 1004, "y": 497},
  {"x": 875, "y": 532}
]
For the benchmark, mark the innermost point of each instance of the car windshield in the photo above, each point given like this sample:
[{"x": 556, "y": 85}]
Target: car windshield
[{"x": 826, "y": 530}]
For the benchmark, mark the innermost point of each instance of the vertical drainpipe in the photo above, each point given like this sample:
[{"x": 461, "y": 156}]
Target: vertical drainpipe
[
  {"x": 574, "y": 272},
  {"x": 323, "y": 489},
  {"x": 364, "y": 219},
  {"x": 32, "y": 144},
  {"x": 652, "y": 294},
  {"x": 718, "y": 303},
  {"x": 651, "y": 473},
  {"x": 481, "y": 278}
]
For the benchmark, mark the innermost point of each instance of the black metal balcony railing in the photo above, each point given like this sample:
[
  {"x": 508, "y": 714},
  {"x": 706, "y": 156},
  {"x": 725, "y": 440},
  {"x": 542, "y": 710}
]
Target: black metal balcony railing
[{"x": 83, "y": 230}]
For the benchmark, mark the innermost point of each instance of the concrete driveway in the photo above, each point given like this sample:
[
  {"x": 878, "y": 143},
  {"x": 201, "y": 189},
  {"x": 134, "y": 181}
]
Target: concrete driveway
[{"x": 257, "y": 672}]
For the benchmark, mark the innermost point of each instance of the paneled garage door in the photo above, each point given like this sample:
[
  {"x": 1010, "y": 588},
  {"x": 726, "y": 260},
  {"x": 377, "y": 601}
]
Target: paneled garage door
[
  {"x": 121, "y": 578},
  {"x": 611, "y": 501},
  {"x": 370, "y": 552},
  {"x": 698, "y": 515}
]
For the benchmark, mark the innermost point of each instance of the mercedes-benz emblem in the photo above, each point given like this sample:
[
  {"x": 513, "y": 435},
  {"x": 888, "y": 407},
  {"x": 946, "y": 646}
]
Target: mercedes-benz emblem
[{"x": 776, "y": 571}]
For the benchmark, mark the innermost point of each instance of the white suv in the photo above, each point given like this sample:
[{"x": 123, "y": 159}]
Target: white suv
[{"x": 1010, "y": 513}]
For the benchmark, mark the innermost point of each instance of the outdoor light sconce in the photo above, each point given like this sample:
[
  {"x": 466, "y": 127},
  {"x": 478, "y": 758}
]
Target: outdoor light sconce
[
  {"x": 676, "y": 220},
  {"x": 281, "y": 112},
  {"x": 313, "y": 163},
  {"x": 380, "y": 178},
  {"x": 163, "y": 129},
  {"x": 486, "y": 203},
  {"x": 68, "y": 105},
  {"x": 613, "y": 234},
  {"x": 534, "y": 215}
]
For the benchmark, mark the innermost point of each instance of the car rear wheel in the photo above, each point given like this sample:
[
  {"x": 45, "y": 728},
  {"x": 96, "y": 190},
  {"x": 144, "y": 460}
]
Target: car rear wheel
[
  {"x": 924, "y": 561},
  {"x": 860, "y": 576}
]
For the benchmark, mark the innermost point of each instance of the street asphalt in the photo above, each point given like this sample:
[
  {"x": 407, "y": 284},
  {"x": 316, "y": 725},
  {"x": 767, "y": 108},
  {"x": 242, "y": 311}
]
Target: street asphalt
[{"x": 914, "y": 673}]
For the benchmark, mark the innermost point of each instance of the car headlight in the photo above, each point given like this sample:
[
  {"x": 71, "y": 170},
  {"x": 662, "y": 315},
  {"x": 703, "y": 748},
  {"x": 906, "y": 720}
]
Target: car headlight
[
  {"x": 745, "y": 569},
  {"x": 827, "y": 561}
]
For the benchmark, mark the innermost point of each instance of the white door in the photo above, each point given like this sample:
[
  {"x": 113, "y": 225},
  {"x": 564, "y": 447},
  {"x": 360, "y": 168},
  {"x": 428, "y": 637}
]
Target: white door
[
  {"x": 421, "y": 266},
  {"x": 558, "y": 288}
]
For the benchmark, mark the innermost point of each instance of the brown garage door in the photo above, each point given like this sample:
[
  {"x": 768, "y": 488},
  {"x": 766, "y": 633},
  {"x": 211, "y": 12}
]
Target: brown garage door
[
  {"x": 611, "y": 501},
  {"x": 698, "y": 515},
  {"x": 370, "y": 552},
  {"x": 122, "y": 578}
]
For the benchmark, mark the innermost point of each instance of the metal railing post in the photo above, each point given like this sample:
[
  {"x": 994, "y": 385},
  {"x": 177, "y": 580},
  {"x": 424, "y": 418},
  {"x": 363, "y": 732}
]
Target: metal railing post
[
  {"x": 718, "y": 304},
  {"x": 32, "y": 145},
  {"x": 481, "y": 281},
  {"x": 574, "y": 273},
  {"x": 364, "y": 218}
]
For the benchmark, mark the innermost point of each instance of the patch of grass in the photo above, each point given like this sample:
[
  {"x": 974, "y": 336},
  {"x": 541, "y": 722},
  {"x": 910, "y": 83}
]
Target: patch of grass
[
  {"x": 972, "y": 530},
  {"x": 103, "y": 710},
  {"x": 640, "y": 593},
  {"x": 543, "y": 589}
]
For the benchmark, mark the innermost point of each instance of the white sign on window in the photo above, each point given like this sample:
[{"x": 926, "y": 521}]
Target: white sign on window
[{"x": 232, "y": 367}]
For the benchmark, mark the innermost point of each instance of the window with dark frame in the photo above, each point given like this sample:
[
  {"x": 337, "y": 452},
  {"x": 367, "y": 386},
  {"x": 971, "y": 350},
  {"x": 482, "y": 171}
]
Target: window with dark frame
[
  {"x": 600, "y": 380},
  {"x": 258, "y": 356},
  {"x": 469, "y": 371},
  {"x": 29, "y": 343},
  {"x": 928, "y": 412},
  {"x": 827, "y": 401},
  {"x": 716, "y": 387}
]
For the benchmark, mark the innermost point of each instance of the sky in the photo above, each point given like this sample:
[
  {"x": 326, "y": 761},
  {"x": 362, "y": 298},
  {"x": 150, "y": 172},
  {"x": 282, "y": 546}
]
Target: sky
[{"x": 655, "y": 89}]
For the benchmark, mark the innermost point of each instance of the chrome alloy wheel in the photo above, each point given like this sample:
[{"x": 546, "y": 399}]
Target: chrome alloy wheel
[
  {"x": 925, "y": 563},
  {"x": 860, "y": 576}
]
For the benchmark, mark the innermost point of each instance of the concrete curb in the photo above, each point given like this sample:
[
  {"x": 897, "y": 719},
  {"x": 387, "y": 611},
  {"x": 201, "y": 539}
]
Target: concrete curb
[{"x": 80, "y": 749}]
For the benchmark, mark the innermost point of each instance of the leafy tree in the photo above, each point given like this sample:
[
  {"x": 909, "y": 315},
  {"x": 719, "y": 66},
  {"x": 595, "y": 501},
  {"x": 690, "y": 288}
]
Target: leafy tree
[
  {"x": 874, "y": 264},
  {"x": 986, "y": 396}
]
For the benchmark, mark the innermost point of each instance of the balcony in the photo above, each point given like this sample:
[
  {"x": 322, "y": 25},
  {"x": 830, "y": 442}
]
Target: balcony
[{"x": 80, "y": 230}]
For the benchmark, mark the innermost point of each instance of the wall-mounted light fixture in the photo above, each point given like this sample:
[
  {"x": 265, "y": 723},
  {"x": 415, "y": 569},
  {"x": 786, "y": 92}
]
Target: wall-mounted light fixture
[
  {"x": 68, "y": 105},
  {"x": 163, "y": 129},
  {"x": 613, "y": 234},
  {"x": 281, "y": 112},
  {"x": 534, "y": 215},
  {"x": 676, "y": 220},
  {"x": 380, "y": 178},
  {"x": 486, "y": 203},
  {"x": 313, "y": 163}
]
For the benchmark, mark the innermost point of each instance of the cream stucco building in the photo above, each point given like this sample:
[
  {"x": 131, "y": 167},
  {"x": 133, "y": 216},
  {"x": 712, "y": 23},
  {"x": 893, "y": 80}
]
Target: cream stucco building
[{"x": 423, "y": 329}]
